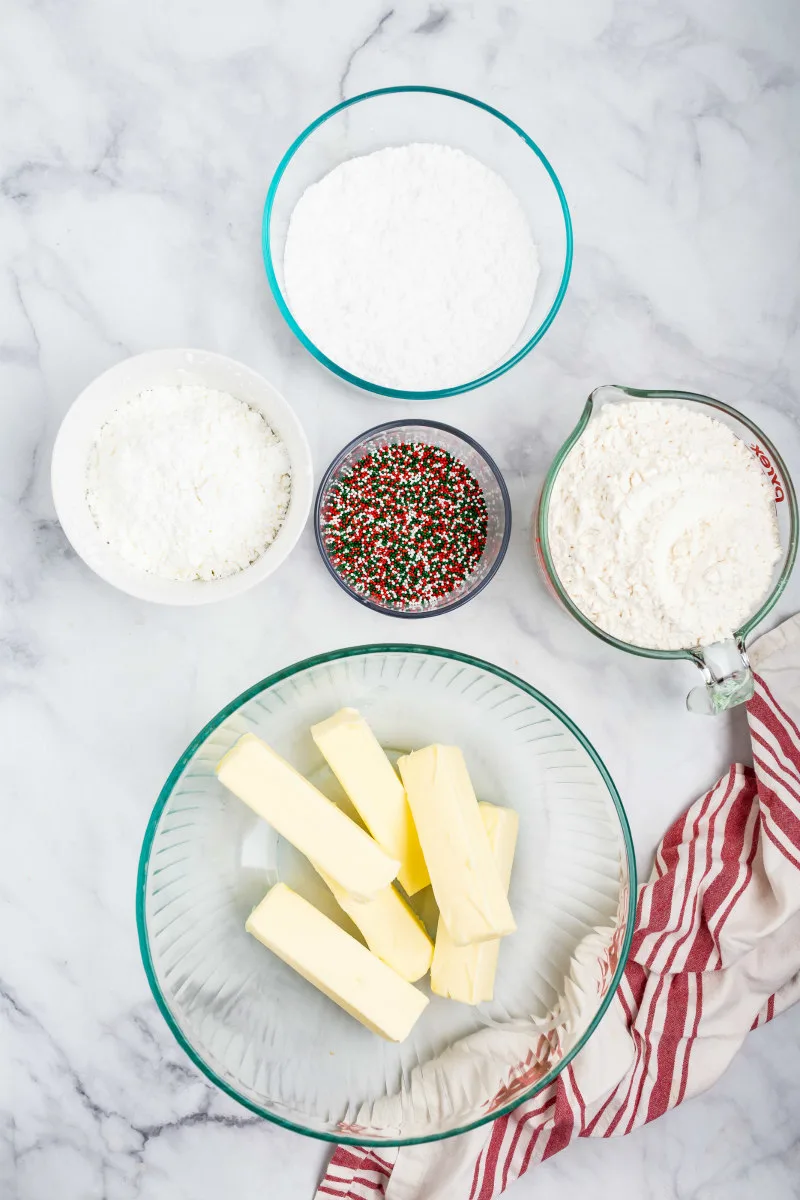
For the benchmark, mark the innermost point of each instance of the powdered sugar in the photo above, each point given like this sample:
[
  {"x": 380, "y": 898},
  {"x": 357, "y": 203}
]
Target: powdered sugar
[
  {"x": 662, "y": 526},
  {"x": 188, "y": 483},
  {"x": 413, "y": 267}
]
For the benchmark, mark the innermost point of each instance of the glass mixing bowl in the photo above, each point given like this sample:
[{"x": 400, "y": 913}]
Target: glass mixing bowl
[
  {"x": 483, "y": 468},
  {"x": 728, "y": 680},
  {"x": 396, "y": 116},
  {"x": 272, "y": 1041}
]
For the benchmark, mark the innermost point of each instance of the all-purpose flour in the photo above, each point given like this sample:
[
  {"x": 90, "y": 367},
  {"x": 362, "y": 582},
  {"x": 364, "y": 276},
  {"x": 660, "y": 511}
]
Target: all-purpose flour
[
  {"x": 187, "y": 483},
  {"x": 413, "y": 267},
  {"x": 662, "y": 526}
]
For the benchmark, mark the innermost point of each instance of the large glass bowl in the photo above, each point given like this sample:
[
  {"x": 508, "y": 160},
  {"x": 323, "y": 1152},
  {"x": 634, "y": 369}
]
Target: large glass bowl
[
  {"x": 396, "y": 116},
  {"x": 281, "y": 1048},
  {"x": 484, "y": 470},
  {"x": 728, "y": 680}
]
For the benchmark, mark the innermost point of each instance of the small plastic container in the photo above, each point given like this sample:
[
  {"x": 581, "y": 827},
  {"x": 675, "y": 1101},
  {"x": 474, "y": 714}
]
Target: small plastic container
[
  {"x": 728, "y": 679},
  {"x": 397, "y": 116},
  {"x": 485, "y": 471}
]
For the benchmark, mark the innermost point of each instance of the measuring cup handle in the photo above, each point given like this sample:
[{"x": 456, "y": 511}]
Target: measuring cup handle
[{"x": 728, "y": 678}]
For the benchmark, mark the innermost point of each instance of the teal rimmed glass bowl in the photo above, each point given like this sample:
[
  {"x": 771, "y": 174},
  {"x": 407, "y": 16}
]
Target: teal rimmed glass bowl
[
  {"x": 396, "y": 116},
  {"x": 281, "y": 1048}
]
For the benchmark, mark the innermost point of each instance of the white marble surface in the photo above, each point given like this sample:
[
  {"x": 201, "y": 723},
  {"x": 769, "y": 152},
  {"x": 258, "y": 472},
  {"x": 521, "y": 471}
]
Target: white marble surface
[{"x": 136, "y": 145}]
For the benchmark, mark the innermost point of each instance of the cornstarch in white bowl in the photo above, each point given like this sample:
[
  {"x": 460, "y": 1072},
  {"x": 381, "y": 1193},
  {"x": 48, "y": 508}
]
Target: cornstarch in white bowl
[
  {"x": 662, "y": 526},
  {"x": 413, "y": 267},
  {"x": 188, "y": 483}
]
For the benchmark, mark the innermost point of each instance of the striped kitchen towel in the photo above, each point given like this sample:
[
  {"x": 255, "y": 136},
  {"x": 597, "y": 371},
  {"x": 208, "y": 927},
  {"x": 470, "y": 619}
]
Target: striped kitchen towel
[{"x": 715, "y": 953}]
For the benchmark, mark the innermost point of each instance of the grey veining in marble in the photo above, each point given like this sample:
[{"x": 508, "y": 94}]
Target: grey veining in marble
[{"x": 136, "y": 145}]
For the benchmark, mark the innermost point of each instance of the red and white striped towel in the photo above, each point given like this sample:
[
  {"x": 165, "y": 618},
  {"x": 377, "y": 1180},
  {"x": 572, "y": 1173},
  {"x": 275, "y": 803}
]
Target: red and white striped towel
[{"x": 716, "y": 952}]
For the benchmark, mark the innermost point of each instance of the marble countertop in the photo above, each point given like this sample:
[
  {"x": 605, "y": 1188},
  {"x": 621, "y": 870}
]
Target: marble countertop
[{"x": 136, "y": 146}]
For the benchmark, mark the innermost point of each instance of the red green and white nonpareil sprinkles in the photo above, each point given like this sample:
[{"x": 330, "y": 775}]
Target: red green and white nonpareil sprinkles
[{"x": 405, "y": 525}]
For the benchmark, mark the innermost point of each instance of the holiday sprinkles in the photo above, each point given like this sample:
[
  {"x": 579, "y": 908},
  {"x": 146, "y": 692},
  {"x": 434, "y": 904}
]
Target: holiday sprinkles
[{"x": 405, "y": 525}]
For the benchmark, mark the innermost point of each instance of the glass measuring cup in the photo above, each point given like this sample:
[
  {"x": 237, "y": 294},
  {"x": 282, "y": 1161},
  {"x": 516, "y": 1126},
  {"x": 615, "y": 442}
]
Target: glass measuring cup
[{"x": 728, "y": 679}]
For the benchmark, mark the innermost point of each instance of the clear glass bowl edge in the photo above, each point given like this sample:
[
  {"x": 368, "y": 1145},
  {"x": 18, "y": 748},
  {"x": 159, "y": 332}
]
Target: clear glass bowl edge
[
  {"x": 263, "y": 685},
  {"x": 285, "y": 311}
]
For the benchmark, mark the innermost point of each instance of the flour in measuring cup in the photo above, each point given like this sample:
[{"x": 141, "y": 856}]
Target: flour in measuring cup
[
  {"x": 662, "y": 526},
  {"x": 412, "y": 267}
]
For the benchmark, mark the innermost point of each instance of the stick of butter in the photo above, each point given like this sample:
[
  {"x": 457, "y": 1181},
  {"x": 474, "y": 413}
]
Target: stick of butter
[
  {"x": 306, "y": 818},
  {"x": 336, "y": 963},
  {"x": 466, "y": 973},
  {"x": 390, "y": 928},
  {"x": 356, "y": 758},
  {"x": 466, "y": 882}
]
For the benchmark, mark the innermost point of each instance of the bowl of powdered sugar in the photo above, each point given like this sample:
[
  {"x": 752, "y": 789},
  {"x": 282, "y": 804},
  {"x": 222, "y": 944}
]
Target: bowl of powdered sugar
[
  {"x": 182, "y": 477},
  {"x": 417, "y": 242}
]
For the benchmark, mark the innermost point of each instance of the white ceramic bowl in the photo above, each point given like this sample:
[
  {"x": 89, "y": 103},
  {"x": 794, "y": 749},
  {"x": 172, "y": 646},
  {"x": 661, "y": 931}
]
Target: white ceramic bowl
[{"x": 95, "y": 405}]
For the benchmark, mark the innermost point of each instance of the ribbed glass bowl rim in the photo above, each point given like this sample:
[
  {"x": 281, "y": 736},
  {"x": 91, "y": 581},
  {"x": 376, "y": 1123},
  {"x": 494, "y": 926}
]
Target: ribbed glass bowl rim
[
  {"x": 286, "y": 313},
  {"x": 322, "y": 490},
  {"x": 263, "y": 686},
  {"x": 543, "y": 514}
]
